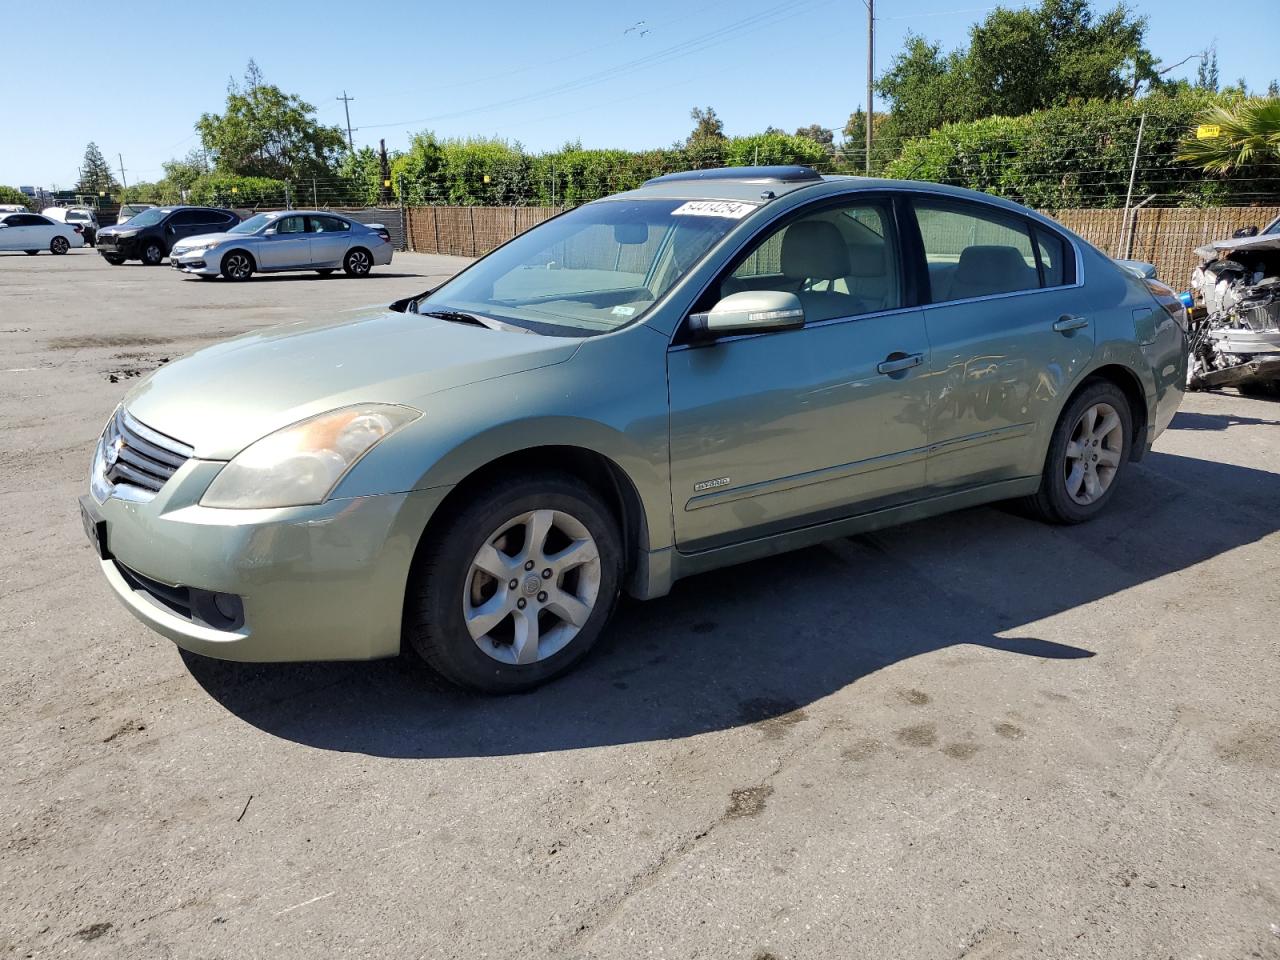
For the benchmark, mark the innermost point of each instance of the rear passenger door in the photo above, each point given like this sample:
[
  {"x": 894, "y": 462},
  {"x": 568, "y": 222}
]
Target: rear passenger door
[
  {"x": 186, "y": 223},
  {"x": 1007, "y": 337},
  {"x": 330, "y": 237}
]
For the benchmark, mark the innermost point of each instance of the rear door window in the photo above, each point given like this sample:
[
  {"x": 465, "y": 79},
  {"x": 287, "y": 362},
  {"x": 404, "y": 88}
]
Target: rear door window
[
  {"x": 329, "y": 225},
  {"x": 974, "y": 251}
]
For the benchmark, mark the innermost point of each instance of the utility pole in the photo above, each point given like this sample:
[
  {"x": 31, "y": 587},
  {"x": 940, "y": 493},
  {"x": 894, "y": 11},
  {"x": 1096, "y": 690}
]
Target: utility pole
[
  {"x": 123, "y": 182},
  {"x": 351, "y": 145},
  {"x": 871, "y": 74}
]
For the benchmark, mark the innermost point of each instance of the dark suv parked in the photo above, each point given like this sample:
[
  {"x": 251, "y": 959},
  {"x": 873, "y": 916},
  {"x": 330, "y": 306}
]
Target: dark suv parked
[{"x": 151, "y": 234}]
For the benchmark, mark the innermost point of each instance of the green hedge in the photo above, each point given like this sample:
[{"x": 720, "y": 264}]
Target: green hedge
[{"x": 1080, "y": 156}]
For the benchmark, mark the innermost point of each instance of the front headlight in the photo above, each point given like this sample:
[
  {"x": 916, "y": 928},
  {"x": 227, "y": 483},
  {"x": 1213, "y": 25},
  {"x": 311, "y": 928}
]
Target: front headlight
[
  {"x": 302, "y": 463},
  {"x": 194, "y": 247}
]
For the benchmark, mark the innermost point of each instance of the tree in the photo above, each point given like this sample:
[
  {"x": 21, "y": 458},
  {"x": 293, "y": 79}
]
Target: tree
[
  {"x": 1207, "y": 72},
  {"x": 1273, "y": 88},
  {"x": 95, "y": 173},
  {"x": 1018, "y": 61},
  {"x": 182, "y": 174},
  {"x": 265, "y": 132},
  {"x": 705, "y": 146},
  {"x": 14, "y": 195},
  {"x": 823, "y": 136},
  {"x": 1249, "y": 136}
]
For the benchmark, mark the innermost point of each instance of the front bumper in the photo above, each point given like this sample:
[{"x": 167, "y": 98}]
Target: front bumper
[
  {"x": 324, "y": 582},
  {"x": 117, "y": 246},
  {"x": 203, "y": 262}
]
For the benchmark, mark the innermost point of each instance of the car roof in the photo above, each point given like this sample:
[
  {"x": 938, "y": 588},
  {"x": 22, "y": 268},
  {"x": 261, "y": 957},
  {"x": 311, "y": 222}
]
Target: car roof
[{"x": 762, "y": 184}]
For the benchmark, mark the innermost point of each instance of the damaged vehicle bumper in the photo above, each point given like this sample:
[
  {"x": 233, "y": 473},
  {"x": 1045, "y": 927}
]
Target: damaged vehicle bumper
[{"x": 1235, "y": 340}]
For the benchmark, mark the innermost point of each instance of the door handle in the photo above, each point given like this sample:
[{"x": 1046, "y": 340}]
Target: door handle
[
  {"x": 897, "y": 362},
  {"x": 1067, "y": 323}
]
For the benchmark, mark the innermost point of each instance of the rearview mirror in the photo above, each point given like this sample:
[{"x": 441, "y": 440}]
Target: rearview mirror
[
  {"x": 751, "y": 311},
  {"x": 630, "y": 234},
  {"x": 1246, "y": 232}
]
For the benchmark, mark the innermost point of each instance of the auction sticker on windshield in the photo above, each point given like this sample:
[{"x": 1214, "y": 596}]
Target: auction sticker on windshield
[{"x": 730, "y": 209}]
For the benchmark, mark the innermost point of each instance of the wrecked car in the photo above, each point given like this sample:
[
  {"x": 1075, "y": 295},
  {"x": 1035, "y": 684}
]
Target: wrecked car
[{"x": 1235, "y": 337}]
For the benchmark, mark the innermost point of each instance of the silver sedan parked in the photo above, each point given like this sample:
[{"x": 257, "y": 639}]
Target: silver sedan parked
[{"x": 285, "y": 240}]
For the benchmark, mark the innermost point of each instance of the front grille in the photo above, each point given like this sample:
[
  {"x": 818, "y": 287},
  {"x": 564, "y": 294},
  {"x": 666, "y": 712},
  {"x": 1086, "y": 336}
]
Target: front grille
[{"x": 136, "y": 455}]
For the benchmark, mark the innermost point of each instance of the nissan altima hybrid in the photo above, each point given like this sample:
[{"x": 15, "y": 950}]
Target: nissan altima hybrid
[{"x": 715, "y": 367}]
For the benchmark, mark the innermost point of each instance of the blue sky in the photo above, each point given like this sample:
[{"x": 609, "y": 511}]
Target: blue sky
[{"x": 540, "y": 73}]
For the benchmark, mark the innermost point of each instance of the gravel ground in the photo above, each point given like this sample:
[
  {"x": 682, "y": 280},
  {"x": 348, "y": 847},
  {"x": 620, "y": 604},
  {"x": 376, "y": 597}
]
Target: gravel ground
[{"x": 969, "y": 737}]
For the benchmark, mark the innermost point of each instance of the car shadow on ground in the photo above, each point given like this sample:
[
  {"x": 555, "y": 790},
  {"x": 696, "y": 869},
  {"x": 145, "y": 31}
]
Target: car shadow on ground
[{"x": 758, "y": 641}]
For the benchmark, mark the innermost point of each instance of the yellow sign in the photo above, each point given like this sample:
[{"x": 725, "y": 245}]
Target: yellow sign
[
  {"x": 386, "y": 182},
  {"x": 486, "y": 178},
  {"x": 1208, "y": 131}
]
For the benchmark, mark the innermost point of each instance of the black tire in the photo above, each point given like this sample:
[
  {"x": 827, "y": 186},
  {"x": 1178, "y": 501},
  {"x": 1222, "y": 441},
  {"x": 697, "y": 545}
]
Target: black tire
[
  {"x": 326, "y": 271},
  {"x": 31, "y": 253},
  {"x": 238, "y": 265},
  {"x": 1052, "y": 503},
  {"x": 433, "y": 623},
  {"x": 59, "y": 245},
  {"x": 152, "y": 253},
  {"x": 113, "y": 258},
  {"x": 358, "y": 262}
]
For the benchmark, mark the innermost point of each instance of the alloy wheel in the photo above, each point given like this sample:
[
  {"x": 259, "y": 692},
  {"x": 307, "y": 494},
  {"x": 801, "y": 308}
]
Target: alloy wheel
[
  {"x": 237, "y": 266},
  {"x": 531, "y": 587},
  {"x": 1093, "y": 455},
  {"x": 358, "y": 262},
  {"x": 60, "y": 245}
]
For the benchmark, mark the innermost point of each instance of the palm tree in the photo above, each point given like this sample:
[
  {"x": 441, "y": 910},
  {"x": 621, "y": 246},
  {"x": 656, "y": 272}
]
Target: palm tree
[{"x": 1249, "y": 133}]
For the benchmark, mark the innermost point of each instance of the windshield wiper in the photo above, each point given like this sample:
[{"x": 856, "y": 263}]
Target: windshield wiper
[{"x": 475, "y": 319}]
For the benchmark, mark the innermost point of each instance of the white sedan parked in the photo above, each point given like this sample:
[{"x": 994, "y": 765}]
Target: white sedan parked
[{"x": 33, "y": 232}]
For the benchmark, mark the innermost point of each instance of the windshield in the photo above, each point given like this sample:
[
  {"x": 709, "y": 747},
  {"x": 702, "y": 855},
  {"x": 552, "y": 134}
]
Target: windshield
[
  {"x": 148, "y": 217},
  {"x": 592, "y": 270},
  {"x": 253, "y": 224}
]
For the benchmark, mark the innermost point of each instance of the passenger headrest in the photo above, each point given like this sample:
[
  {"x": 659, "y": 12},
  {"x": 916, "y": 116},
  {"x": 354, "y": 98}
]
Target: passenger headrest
[
  {"x": 814, "y": 250},
  {"x": 992, "y": 269}
]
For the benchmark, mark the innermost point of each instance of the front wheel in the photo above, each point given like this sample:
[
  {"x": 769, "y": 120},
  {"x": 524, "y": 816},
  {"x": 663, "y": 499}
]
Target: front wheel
[
  {"x": 152, "y": 253},
  {"x": 518, "y": 587},
  {"x": 357, "y": 262},
  {"x": 59, "y": 245},
  {"x": 113, "y": 258},
  {"x": 237, "y": 265},
  {"x": 1088, "y": 451}
]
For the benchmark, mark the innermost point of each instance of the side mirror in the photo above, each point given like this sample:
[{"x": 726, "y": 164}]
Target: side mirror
[
  {"x": 751, "y": 311},
  {"x": 1246, "y": 232},
  {"x": 269, "y": 232}
]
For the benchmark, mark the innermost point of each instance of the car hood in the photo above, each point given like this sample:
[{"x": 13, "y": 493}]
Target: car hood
[
  {"x": 187, "y": 242},
  {"x": 223, "y": 398}
]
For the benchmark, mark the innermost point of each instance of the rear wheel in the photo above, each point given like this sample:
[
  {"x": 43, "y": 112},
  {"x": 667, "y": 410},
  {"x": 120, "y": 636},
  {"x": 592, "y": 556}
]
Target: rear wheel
[
  {"x": 518, "y": 587},
  {"x": 357, "y": 262},
  {"x": 113, "y": 258},
  {"x": 152, "y": 253},
  {"x": 237, "y": 265},
  {"x": 1088, "y": 450},
  {"x": 59, "y": 245}
]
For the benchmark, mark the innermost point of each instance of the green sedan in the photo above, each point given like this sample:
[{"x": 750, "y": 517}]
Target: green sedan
[{"x": 715, "y": 367}]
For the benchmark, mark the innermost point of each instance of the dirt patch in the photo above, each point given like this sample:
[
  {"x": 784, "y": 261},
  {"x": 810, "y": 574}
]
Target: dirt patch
[
  {"x": 1010, "y": 731},
  {"x": 93, "y": 931},
  {"x": 960, "y": 751},
  {"x": 917, "y": 698},
  {"x": 771, "y": 717},
  {"x": 747, "y": 802},
  {"x": 918, "y": 735},
  {"x": 129, "y": 726},
  {"x": 106, "y": 340},
  {"x": 1258, "y": 745},
  {"x": 859, "y": 750}
]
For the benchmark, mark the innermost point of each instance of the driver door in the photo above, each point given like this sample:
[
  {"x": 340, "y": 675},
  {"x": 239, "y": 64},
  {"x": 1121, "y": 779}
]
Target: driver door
[
  {"x": 289, "y": 246},
  {"x": 774, "y": 431}
]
